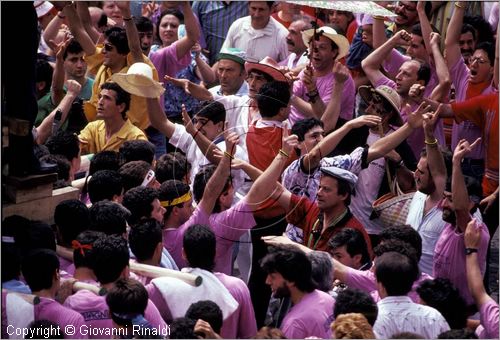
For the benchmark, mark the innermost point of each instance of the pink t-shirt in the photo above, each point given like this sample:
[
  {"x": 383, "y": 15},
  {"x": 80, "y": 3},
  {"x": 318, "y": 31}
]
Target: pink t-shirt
[
  {"x": 311, "y": 317},
  {"x": 325, "y": 86},
  {"x": 488, "y": 313},
  {"x": 65, "y": 265},
  {"x": 416, "y": 139},
  {"x": 241, "y": 324},
  {"x": 95, "y": 312},
  {"x": 172, "y": 237},
  {"x": 52, "y": 310},
  {"x": 449, "y": 258},
  {"x": 365, "y": 280},
  {"x": 228, "y": 227}
]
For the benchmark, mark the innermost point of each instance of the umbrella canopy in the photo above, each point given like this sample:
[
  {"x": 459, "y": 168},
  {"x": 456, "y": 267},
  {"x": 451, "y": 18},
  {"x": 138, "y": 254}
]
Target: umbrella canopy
[{"x": 366, "y": 7}]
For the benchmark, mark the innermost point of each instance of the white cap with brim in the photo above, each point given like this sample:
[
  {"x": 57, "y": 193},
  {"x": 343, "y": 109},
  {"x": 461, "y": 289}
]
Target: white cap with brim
[
  {"x": 341, "y": 174},
  {"x": 42, "y": 8},
  {"x": 331, "y": 34},
  {"x": 139, "y": 81}
]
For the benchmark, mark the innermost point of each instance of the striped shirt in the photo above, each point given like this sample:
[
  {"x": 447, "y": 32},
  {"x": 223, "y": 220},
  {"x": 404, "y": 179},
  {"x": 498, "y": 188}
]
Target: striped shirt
[{"x": 215, "y": 18}]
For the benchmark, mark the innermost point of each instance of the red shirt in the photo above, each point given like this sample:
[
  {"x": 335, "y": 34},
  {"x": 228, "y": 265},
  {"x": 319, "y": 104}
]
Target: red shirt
[{"x": 304, "y": 214}]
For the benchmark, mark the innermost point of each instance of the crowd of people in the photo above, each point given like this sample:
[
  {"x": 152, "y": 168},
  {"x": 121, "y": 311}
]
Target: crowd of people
[{"x": 255, "y": 169}]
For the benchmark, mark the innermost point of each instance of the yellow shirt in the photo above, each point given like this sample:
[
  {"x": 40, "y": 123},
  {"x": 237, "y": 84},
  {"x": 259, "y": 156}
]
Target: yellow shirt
[
  {"x": 95, "y": 135},
  {"x": 137, "y": 113}
]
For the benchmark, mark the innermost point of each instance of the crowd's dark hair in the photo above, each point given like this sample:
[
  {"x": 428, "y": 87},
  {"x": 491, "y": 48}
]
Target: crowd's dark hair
[
  {"x": 301, "y": 127},
  {"x": 352, "y": 300},
  {"x": 403, "y": 233},
  {"x": 270, "y": 4},
  {"x": 272, "y": 97},
  {"x": 139, "y": 201},
  {"x": 118, "y": 38},
  {"x": 104, "y": 185},
  {"x": 44, "y": 328},
  {"x": 64, "y": 143},
  {"x": 199, "y": 245},
  {"x": 122, "y": 96},
  {"x": 84, "y": 256},
  {"x": 213, "y": 111},
  {"x": 266, "y": 76},
  {"x": 133, "y": 173},
  {"x": 407, "y": 335},
  {"x": 31, "y": 235},
  {"x": 417, "y": 30},
  {"x": 462, "y": 333},
  {"x": 207, "y": 311},
  {"x": 182, "y": 328},
  {"x": 108, "y": 217},
  {"x": 73, "y": 47},
  {"x": 443, "y": 296},
  {"x": 143, "y": 24},
  {"x": 321, "y": 270},
  {"x": 11, "y": 261},
  {"x": 396, "y": 272},
  {"x": 71, "y": 218},
  {"x": 144, "y": 237},
  {"x": 126, "y": 297},
  {"x": 39, "y": 267},
  {"x": 489, "y": 48},
  {"x": 44, "y": 73},
  {"x": 424, "y": 71},
  {"x": 173, "y": 165},
  {"x": 285, "y": 260},
  {"x": 484, "y": 31},
  {"x": 468, "y": 28},
  {"x": 170, "y": 190},
  {"x": 137, "y": 150},
  {"x": 63, "y": 168},
  {"x": 111, "y": 257},
  {"x": 353, "y": 241},
  {"x": 200, "y": 182},
  {"x": 395, "y": 245},
  {"x": 105, "y": 160}
]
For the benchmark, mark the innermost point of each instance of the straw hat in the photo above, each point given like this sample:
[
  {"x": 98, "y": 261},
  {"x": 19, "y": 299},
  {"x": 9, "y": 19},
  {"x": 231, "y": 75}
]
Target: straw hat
[
  {"x": 139, "y": 81},
  {"x": 331, "y": 34},
  {"x": 389, "y": 94},
  {"x": 267, "y": 65}
]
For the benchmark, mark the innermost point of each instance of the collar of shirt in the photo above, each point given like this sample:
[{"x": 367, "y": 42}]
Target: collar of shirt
[
  {"x": 268, "y": 30},
  {"x": 395, "y": 299}
]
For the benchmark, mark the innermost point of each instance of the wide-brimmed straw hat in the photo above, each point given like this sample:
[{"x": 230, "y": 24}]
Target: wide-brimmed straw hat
[
  {"x": 139, "y": 81},
  {"x": 386, "y": 93},
  {"x": 267, "y": 65},
  {"x": 331, "y": 34}
]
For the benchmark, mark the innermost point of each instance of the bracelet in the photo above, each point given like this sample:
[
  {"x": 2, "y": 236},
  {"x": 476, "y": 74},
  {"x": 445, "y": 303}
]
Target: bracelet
[
  {"x": 469, "y": 251},
  {"x": 434, "y": 142},
  {"x": 128, "y": 19},
  {"x": 283, "y": 153},
  {"x": 458, "y": 5},
  {"x": 378, "y": 17},
  {"x": 313, "y": 94},
  {"x": 61, "y": 16},
  {"x": 228, "y": 155}
]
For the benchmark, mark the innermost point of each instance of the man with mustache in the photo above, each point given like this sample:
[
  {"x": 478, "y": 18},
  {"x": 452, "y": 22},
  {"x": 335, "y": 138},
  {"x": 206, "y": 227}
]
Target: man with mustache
[
  {"x": 459, "y": 207},
  {"x": 296, "y": 47}
]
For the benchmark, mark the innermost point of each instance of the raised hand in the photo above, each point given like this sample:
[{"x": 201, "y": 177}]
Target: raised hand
[
  {"x": 340, "y": 72},
  {"x": 435, "y": 39},
  {"x": 188, "y": 123},
  {"x": 472, "y": 236},
  {"x": 430, "y": 120},
  {"x": 148, "y": 8},
  {"x": 276, "y": 240},
  {"x": 416, "y": 118},
  {"x": 309, "y": 79},
  {"x": 402, "y": 38},
  {"x": 368, "y": 120},
  {"x": 231, "y": 139},
  {"x": 73, "y": 87},
  {"x": 183, "y": 83},
  {"x": 417, "y": 92},
  {"x": 463, "y": 148},
  {"x": 289, "y": 142}
]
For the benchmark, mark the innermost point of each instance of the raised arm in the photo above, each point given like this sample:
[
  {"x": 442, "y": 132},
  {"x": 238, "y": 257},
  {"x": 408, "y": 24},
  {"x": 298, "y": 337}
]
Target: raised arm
[
  {"x": 443, "y": 89},
  {"x": 197, "y": 91},
  {"x": 435, "y": 158},
  {"x": 379, "y": 37},
  {"x": 82, "y": 8},
  {"x": 472, "y": 239},
  {"x": 425, "y": 26},
  {"x": 451, "y": 42},
  {"x": 57, "y": 87},
  {"x": 312, "y": 159},
  {"x": 158, "y": 118},
  {"x": 52, "y": 29},
  {"x": 203, "y": 70},
  {"x": 332, "y": 110},
  {"x": 384, "y": 145},
  {"x": 78, "y": 31},
  {"x": 134, "y": 43},
  {"x": 216, "y": 183},
  {"x": 266, "y": 185},
  {"x": 459, "y": 192},
  {"x": 192, "y": 31},
  {"x": 44, "y": 131}
]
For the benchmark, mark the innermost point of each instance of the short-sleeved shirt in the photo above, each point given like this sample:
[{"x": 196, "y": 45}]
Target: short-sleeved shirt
[
  {"x": 52, "y": 310},
  {"x": 482, "y": 111},
  {"x": 325, "y": 85},
  {"x": 137, "y": 113},
  {"x": 304, "y": 213},
  {"x": 488, "y": 313},
  {"x": 228, "y": 226},
  {"x": 258, "y": 43},
  {"x": 398, "y": 314},
  {"x": 95, "y": 135},
  {"x": 449, "y": 258},
  {"x": 311, "y": 317},
  {"x": 173, "y": 237}
]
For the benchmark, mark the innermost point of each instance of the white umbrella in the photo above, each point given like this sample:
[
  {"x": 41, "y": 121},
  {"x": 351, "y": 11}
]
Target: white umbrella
[{"x": 366, "y": 7}]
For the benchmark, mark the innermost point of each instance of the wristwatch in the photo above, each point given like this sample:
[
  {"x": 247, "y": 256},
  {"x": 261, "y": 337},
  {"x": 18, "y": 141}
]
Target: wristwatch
[{"x": 469, "y": 251}]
